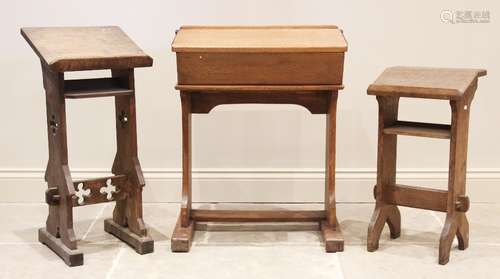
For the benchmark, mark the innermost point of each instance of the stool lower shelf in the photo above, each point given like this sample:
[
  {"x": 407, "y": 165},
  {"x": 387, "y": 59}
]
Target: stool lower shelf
[{"x": 419, "y": 129}]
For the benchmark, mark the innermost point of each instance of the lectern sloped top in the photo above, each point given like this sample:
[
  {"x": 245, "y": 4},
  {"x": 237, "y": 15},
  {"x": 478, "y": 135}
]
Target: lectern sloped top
[
  {"x": 424, "y": 82},
  {"x": 85, "y": 48},
  {"x": 325, "y": 38}
]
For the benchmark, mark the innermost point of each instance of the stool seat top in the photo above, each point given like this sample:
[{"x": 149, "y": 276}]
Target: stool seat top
[
  {"x": 85, "y": 48},
  {"x": 423, "y": 82}
]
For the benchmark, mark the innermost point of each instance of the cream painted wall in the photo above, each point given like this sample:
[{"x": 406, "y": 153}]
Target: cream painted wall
[{"x": 268, "y": 145}]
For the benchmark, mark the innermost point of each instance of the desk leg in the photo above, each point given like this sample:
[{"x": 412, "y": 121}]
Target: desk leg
[
  {"x": 183, "y": 232},
  {"x": 334, "y": 241}
]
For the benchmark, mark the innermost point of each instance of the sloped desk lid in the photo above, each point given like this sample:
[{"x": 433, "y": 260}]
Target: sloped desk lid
[
  {"x": 324, "y": 38},
  {"x": 85, "y": 48}
]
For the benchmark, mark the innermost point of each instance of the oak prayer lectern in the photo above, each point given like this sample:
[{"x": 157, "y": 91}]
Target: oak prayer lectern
[
  {"x": 300, "y": 65},
  {"x": 63, "y": 49}
]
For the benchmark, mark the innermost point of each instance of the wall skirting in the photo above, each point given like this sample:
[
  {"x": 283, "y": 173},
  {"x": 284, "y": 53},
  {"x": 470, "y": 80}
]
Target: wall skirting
[{"x": 256, "y": 185}]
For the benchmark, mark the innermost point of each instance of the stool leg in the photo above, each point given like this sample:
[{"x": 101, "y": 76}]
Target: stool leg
[
  {"x": 330, "y": 228},
  {"x": 463, "y": 232},
  {"x": 184, "y": 230},
  {"x": 58, "y": 234},
  {"x": 386, "y": 175},
  {"x": 127, "y": 223},
  {"x": 456, "y": 222}
]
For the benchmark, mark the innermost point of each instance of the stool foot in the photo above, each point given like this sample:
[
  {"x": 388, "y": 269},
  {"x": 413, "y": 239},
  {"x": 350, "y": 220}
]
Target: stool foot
[
  {"x": 446, "y": 239},
  {"x": 394, "y": 222},
  {"x": 455, "y": 225},
  {"x": 332, "y": 235},
  {"x": 463, "y": 232},
  {"x": 71, "y": 257},
  {"x": 141, "y": 244},
  {"x": 182, "y": 237},
  {"x": 383, "y": 214}
]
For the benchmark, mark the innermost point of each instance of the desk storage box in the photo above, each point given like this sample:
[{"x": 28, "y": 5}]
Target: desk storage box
[{"x": 259, "y": 55}]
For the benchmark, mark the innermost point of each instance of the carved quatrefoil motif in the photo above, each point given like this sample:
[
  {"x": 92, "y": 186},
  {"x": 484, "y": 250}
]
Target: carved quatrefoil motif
[
  {"x": 82, "y": 193},
  {"x": 108, "y": 190}
]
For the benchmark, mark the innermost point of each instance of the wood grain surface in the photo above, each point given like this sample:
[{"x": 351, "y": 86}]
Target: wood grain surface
[
  {"x": 85, "y": 48},
  {"x": 423, "y": 82},
  {"x": 321, "y": 38}
]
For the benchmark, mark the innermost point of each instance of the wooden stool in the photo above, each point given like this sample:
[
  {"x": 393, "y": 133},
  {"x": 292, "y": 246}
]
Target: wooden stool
[
  {"x": 64, "y": 49},
  {"x": 267, "y": 65},
  {"x": 456, "y": 85}
]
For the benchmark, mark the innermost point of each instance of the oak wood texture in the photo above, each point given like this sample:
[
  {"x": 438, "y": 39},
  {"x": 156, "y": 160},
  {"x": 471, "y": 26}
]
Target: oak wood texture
[
  {"x": 125, "y": 186},
  {"x": 257, "y": 226},
  {"x": 92, "y": 88},
  {"x": 203, "y": 215},
  {"x": 316, "y": 102},
  {"x": 207, "y": 68},
  {"x": 416, "y": 197},
  {"x": 85, "y": 48},
  {"x": 259, "y": 39},
  {"x": 332, "y": 236},
  {"x": 424, "y": 82},
  {"x": 72, "y": 257},
  {"x": 258, "y": 88},
  {"x": 299, "y": 65},
  {"x": 265, "y": 55},
  {"x": 141, "y": 244},
  {"x": 95, "y": 185},
  {"x": 323, "y": 102},
  {"x": 419, "y": 129},
  {"x": 456, "y": 85},
  {"x": 182, "y": 237}
]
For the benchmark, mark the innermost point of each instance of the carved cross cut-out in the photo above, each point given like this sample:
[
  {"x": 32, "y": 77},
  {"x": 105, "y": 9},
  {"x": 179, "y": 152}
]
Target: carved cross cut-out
[
  {"x": 82, "y": 193},
  {"x": 123, "y": 118},
  {"x": 108, "y": 190},
  {"x": 53, "y": 124}
]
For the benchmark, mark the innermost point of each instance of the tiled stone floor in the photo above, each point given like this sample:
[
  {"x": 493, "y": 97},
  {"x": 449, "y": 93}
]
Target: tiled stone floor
[{"x": 232, "y": 254}]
